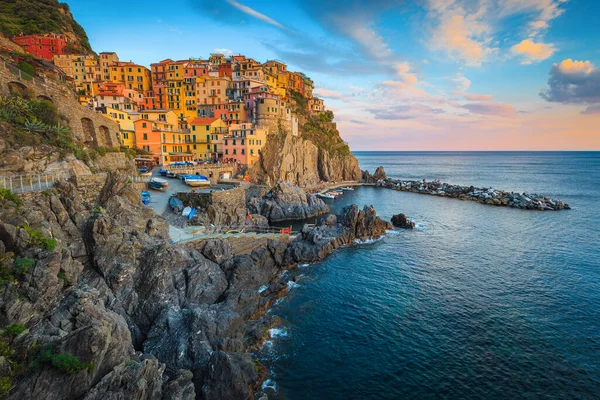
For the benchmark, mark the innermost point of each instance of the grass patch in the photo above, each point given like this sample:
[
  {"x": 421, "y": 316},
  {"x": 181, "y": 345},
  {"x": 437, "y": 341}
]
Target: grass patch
[
  {"x": 63, "y": 362},
  {"x": 37, "y": 238},
  {"x": 7, "y": 196}
]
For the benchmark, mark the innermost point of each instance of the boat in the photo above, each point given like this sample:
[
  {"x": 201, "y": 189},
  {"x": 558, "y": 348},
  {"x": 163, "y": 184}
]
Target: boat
[
  {"x": 325, "y": 196},
  {"x": 156, "y": 186},
  {"x": 196, "y": 180},
  {"x": 160, "y": 181},
  {"x": 163, "y": 172},
  {"x": 191, "y": 214},
  {"x": 347, "y": 189},
  {"x": 186, "y": 211},
  {"x": 146, "y": 197},
  {"x": 176, "y": 204},
  {"x": 172, "y": 175}
]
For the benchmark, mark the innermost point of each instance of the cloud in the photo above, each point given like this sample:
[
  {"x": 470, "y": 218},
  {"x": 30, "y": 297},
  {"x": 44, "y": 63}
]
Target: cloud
[
  {"x": 575, "y": 82},
  {"x": 355, "y": 121},
  {"x": 329, "y": 94},
  {"x": 461, "y": 33},
  {"x": 253, "y": 13},
  {"x": 532, "y": 51},
  {"x": 595, "y": 109},
  {"x": 544, "y": 11},
  {"x": 403, "y": 111},
  {"x": 500, "y": 110},
  {"x": 478, "y": 97},
  {"x": 461, "y": 82},
  {"x": 226, "y": 52}
]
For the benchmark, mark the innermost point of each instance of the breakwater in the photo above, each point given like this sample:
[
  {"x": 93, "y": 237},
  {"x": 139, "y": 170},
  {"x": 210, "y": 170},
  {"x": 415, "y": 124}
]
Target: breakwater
[{"x": 490, "y": 196}]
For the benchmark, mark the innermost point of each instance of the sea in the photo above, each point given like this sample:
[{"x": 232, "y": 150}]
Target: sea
[{"x": 477, "y": 302}]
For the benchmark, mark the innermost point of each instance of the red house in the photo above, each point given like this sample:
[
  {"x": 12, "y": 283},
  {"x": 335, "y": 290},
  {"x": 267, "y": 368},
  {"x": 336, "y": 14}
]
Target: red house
[{"x": 44, "y": 46}]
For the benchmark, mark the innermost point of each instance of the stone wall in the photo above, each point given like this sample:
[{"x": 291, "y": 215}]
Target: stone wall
[
  {"x": 88, "y": 127},
  {"x": 220, "y": 208},
  {"x": 88, "y": 186}
]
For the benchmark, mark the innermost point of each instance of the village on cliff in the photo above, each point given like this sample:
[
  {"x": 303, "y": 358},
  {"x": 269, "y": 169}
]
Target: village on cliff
[{"x": 194, "y": 110}]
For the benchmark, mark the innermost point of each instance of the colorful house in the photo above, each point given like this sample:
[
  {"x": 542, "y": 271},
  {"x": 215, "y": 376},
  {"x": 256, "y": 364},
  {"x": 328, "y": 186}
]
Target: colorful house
[
  {"x": 244, "y": 143},
  {"x": 209, "y": 131},
  {"x": 44, "y": 46}
]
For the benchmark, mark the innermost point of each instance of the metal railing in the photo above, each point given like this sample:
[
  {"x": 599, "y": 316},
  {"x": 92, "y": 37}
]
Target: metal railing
[
  {"x": 221, "y": 232},
  {"x": 33, "y": 182}
]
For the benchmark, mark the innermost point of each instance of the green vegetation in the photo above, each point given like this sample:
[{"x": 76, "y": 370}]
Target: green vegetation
[
  {"x": 6, "y": 384},
  {"x": 40, "y": 16},
  {"x": 22, "y": 265},
  {"x": 322, "y": 132},
  {"x": 37, "y": 238},
  {"x": 63, "y": 362},
  {"x": 27, "y": 68},
  {"x": 13, "y": 330},
  {"x": 7, "y": 196}
]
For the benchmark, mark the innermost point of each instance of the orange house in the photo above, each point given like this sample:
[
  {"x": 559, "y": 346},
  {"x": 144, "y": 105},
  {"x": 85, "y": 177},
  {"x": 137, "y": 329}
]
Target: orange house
[{"x": 147, "y": 138}]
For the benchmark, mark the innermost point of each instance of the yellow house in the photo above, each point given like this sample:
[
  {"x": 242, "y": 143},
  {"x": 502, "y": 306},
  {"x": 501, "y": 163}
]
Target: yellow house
[
  {"x": 210, "y": 132},
  {"x": 167, "y": 116},
  {"x": 135, "y": 77},
  {"x": 126, "y": 125}
]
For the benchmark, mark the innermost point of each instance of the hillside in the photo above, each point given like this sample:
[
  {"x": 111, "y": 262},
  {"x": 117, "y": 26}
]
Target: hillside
[{"x": 42, "y": 16}]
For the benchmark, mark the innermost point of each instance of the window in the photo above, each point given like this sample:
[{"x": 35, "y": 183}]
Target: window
[
  {"x": 194, "y": 128},
  {"x": 234, "y": 143},
  {"x": 164, "y": 148},
  {"x": 234, "y": 151},
  {"x": 226, "y": 151},
  {"x": 144, "y": 125},
  {"x": 125, "y": 135},
  {"x": 145, "y": 136},
  {"x": 243, "y": 152},
  {"x": 207, "y": 127},
  {"x": 226, "y": 142},
  {"x": 208, "y": 138},
  {"x": 242, "y": 142}
]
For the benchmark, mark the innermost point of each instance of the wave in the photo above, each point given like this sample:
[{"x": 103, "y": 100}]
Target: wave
[
  {"x": 292, "y": 285},
  {"x": 303, "y": 265},
  {"x": 269, "y": 384},
  {"x": 278, "y": 333},
  {"x": 262, "y": 288},
  {"x": 367, "y": 241}
]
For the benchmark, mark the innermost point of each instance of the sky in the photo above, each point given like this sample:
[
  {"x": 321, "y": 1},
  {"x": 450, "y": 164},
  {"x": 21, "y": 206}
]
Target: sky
[{"x": 399, "y": 75}]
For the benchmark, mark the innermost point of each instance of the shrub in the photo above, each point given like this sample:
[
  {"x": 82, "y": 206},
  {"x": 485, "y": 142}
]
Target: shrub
[
  {"x": 37, "y": 238},
  {"x": 7, "y": 195},
  {"x": 13, "y": 330},
  {"x": 44, "y": 111},
  {"x": 63, "y": 362},
  {"x": 27, "y": 68},
  {"x": 6, "y": 383},
  {"x": 22, "y": 265}
]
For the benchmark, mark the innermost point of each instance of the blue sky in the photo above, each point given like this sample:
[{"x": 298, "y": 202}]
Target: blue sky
[{"x": 414, "y": 75}]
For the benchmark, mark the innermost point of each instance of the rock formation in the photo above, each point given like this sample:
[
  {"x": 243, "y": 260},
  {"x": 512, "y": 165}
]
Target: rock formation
[
  {"x": 299, "y": 161},
  {"x": 286, "y": 202},
  {"x": 402, "y": 221},
  {"x": 110, "y": 309}
]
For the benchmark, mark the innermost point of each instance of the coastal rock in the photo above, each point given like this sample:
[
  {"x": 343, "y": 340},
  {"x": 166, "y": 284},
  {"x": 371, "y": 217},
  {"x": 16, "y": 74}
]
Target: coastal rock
[
  {"x": 224, "y": 379},
  {"x": 366, "y": 177},
  {"x": 379, "y": 174},
  {"x": 401, "y": 221},
  {"x": 299, "y": 161},
  {"x": 286, "y": 202}
]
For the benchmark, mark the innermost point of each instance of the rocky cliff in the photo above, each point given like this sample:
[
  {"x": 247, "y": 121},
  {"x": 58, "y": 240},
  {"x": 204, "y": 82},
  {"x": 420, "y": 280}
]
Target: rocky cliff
[
  {"x": 285, "y": 202},
  {"x": 43, "y": 16},
  {"x": 317, "y": 154},
  {"x": 97, "y": 304}
]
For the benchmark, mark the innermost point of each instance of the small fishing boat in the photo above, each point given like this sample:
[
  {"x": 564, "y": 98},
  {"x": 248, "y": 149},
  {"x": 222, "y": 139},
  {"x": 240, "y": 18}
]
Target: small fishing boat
[
  {"x": 196, "y": 180},
  {"x": 160, "y": 181},
  {"x": 326, "y": 196},
  {"x": 156, "y": 186},
  {"x": 146, "y": 197},
  {"x": 186, "y": 211},
  {"x": 172, "y": 175},
  {"x": 347, "y": 189},
  {"x": 163, "y": 172},
  {"x": 176, "y": 204},
  {"x": 191, "y": 214}
]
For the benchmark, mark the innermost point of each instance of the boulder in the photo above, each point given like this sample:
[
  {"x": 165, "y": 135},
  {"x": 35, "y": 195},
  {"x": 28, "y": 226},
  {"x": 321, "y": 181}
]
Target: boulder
[
  {"x": 401, "y": 221},
  {"x": 287, "y": 202},
  {"x": 379, "y": 174}
]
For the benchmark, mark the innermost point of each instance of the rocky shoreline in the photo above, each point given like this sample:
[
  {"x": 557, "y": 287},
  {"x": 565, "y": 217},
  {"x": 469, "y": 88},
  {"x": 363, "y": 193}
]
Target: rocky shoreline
[
  {"x": 489, "y": 196},
  {"x": 135, "y": 316}
]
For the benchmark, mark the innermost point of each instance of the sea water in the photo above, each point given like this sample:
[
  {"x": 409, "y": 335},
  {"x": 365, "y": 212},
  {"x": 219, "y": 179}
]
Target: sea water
[{"x": 478, "y": 302}]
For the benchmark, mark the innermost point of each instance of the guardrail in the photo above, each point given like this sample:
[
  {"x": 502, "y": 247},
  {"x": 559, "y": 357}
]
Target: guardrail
[
  {"x": 33, "y": 182},
  {"x": 220, "y": 232}
]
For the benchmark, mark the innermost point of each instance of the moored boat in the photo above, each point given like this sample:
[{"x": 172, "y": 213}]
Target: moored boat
[
  {"x": 160, "y": 181},
  {"x": 156, "y": 186},
  {"x": 176, "y": 204},
  {"x": 146, "y": 197},
  {"x": 196, "y": 180},
  {"x": 347, "y": 189},
  {"x": 325, "y": 196},
  {"x": 163, "y": 172}
]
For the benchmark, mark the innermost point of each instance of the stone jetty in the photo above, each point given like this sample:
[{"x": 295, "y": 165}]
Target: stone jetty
[{"x": 525, "y": 201}]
